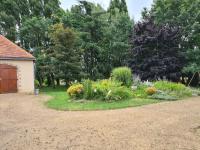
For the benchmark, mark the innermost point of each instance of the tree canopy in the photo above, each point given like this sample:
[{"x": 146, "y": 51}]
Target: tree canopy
[
  {"x": 155, "y": 53},
  {"x": 88, "y": 41}
]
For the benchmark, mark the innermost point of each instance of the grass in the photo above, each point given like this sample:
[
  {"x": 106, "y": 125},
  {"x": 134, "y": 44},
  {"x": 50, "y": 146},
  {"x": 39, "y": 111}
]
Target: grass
[{"x": 61, "y": 101}]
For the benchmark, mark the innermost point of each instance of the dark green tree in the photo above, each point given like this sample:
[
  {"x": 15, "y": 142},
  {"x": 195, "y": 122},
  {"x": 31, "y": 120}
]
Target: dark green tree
[
  {"x": 13, "y": 13},
  {"x": 186, "y": 15},
  {"x": 63, "y": 56}
]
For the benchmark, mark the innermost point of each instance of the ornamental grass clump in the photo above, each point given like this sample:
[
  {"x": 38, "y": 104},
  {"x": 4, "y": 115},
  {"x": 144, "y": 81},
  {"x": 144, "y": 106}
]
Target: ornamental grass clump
[
  {"x": 88, "y": 90},
  {"x": 123, "y": 75}
]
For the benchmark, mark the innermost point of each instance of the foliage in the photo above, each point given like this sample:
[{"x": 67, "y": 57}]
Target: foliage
[
  {"x": 151, "y": 90},
  {"x": 119, "y": 93},
  {"x": 140, "y": 92},
  {"x": 88, "y": 41},
  {"x": 61, "y": 101},
  {"x": 33, "y": 32},
  {"x": 99, "y": 43},
  {"x": 104, "y": 42},
  {"x": 88, "y": 90},
  {"x": 169, "y": 86},
  {"x": 106, "y": 90},
  {"x": 185, "y": 14},
  {"x": 155, "y": 52},
  {"x": 36, "y": 83},
  {"x": 163, "y": 96},
  {"x": 13, "y": 14},
  {"x": 103, "y": 87},
  {"x": 193, "y": 66},
  {"x": 163, "y": 90},
  {"x": 75, "y": 90},
  {"x": 123, "y": 75},
  {"x": 195, "y": 92},
  {"x": 177, "y": 90},
  {"x": 65, "y": 58}
]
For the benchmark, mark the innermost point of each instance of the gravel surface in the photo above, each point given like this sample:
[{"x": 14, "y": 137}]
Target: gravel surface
[{"x": 26, "y": 124}]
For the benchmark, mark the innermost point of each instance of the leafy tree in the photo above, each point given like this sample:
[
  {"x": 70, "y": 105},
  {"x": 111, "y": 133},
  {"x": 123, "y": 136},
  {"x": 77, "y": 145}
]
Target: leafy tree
[
  {"x": 116, "y": 44},
  {"x": 13, "y": 13},
  {"x": 34, "y": 32},
  {"x": 192, "y": 69},
  {"x": 86, "y": 19},
  {"x": 100, "y": 36},
  {"x": 63, "y": 56},
  {"x": 186, "y": 15},
  {"x": 117, "y": 7},
  {"x": 155, "y": 51},
  {"x": 7, "y": 26}
]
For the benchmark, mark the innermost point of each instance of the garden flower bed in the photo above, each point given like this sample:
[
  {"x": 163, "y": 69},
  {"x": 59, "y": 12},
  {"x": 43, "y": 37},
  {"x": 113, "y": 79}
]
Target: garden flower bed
[{"x": 119, "y": 91}]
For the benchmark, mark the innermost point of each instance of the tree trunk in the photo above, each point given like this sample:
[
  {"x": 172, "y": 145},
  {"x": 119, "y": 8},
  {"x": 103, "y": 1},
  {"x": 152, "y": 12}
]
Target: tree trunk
[
  {"x": 194, "y": 80},
  {"x": 58, "y": 82},
  {"x": 53, "y": 81}
]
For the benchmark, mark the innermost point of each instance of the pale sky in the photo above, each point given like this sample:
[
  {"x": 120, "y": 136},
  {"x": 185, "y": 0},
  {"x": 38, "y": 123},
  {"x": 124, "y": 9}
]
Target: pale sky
[{"x": 134, "y": 6}]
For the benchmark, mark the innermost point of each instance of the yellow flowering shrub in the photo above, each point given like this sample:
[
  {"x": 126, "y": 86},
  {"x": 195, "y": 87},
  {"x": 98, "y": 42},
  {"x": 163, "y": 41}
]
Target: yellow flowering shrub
[
  {"x": 75, "y": 90},
  {"x": 151, "y": 90}
]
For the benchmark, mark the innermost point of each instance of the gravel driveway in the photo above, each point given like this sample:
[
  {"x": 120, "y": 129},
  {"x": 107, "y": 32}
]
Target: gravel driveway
[{"x": 26, "y": 124}]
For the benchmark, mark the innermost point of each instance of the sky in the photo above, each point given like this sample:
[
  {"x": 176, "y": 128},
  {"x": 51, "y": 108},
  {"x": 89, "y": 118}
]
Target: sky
[{"x": 134, "y": 6}]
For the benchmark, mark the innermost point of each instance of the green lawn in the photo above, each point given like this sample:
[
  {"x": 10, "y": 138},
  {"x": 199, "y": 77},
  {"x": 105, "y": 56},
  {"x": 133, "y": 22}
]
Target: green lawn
[{"x": 60, "y": 101}]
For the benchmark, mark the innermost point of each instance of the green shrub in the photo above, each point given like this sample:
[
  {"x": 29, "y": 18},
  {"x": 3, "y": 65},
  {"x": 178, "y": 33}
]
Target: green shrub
[
  {"x": 87, "y": 89},
  {"x": 140, "y": 92},
  {"x": 119, "y": 93},
  {"x": 169, "y": 86},
  {"x": 102, "y": 87},
  {"x": 122, "y": 74},
  {"x": 174, "y": 89},
  {"x": 37, "y": 83},
  {"x": 45, "y": 83},
  {"x": 105, "y": 90},
  {"x": 75, "y": 90},
  {"x": 182, "y": 94}
]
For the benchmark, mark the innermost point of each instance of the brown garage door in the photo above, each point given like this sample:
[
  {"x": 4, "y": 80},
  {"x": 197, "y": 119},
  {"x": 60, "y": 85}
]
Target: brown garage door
[{"x": 8, "y": 79}]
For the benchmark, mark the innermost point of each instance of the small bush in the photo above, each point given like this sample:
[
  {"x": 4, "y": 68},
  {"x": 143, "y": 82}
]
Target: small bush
[
  {"x": 123, "y": 75},
  {"x": 87, "y": 87},
  {"x": 75, "y": 90},
  {"x": 151, "y": 90},
  {"x": 102, "y": 87},
  {"x": 169, "y": 86},
  {"x": 105, "y": 90},
  {"x": 174, "y": 89},
  {"x": 37, "y": 83},
  {"x": 140, "y": 92},
  {"x": 119, "y": 93}
]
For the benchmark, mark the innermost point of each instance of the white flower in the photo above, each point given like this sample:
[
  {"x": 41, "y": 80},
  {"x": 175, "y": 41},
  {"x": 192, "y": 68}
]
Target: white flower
[
  {"x": 147, "y": 83},
  {"x": 134, "y": 87}
]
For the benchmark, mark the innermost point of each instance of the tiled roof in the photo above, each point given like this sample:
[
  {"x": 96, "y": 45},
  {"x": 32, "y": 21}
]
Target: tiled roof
[{"x": 9, "y": 50}]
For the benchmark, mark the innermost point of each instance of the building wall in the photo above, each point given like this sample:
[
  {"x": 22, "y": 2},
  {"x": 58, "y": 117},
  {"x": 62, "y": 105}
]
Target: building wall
[{"x": 25, "y": 74}]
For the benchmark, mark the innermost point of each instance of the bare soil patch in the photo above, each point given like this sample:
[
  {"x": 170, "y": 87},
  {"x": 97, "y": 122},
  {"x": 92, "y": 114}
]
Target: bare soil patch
[{"x": 26, "y": 124}]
